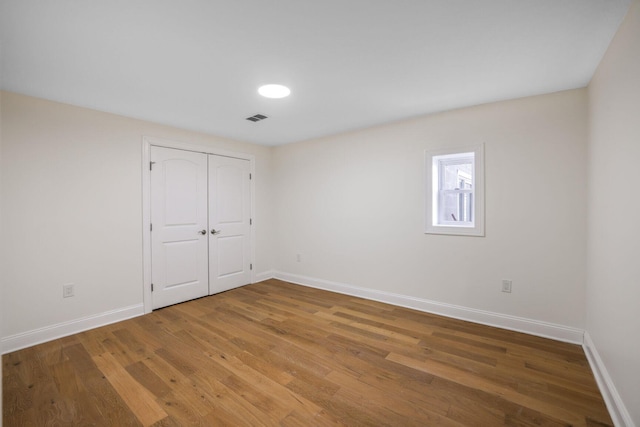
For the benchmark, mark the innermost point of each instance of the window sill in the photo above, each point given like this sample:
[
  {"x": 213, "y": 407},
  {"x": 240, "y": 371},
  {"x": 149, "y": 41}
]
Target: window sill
[{"x": 455, "y": 231}]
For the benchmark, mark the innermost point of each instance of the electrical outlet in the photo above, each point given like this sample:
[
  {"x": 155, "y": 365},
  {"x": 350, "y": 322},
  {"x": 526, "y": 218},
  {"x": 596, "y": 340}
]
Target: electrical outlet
[
  {"x": 506, "y": 286},
  {"x": 68, "y": 290}
]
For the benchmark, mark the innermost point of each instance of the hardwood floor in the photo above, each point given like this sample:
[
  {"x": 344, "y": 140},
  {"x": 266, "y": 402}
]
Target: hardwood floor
[{"x": 274, "y": 353}]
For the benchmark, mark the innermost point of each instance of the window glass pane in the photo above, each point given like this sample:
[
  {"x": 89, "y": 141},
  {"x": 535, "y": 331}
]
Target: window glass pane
[
  {"x": 457, "y": 176},
  {"x": 456, "y": 207}
]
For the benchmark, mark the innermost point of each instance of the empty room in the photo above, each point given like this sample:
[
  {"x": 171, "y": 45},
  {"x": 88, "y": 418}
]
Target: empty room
[{"x": 356, "y": 213}]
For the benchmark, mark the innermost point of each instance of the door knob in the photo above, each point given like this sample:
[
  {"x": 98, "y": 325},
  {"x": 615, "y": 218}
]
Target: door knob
[
  {"x": 203, "y": 232},
  {"x": 214, "y": 231}
]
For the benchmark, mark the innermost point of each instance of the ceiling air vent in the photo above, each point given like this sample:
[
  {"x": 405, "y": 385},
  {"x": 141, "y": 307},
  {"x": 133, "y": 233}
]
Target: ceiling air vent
[{"x": 257, "y": 118}]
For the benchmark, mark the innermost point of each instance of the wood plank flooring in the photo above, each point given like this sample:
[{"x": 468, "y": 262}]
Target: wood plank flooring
[{"x": 274, "y": 353}]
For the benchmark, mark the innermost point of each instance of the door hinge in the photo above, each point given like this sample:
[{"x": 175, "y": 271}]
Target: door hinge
[
  {"x": 152, "y": 287},
  {"x": 250, "y": 176},
  {"x": 151, "y": 165},
  {"x": 150, "y": 227},
  {"x": 250, "y": 221},
  {"x": 250, "y": 266}
]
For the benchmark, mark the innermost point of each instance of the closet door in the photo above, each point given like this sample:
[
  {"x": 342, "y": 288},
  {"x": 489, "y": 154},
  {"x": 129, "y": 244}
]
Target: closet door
[
  {"x": 179, "y": 234},
  {"x": 229, "y": 223}
]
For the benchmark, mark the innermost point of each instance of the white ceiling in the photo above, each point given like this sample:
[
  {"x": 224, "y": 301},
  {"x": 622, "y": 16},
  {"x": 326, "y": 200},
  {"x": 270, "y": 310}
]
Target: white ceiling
[{"x": 197, "y": 64}]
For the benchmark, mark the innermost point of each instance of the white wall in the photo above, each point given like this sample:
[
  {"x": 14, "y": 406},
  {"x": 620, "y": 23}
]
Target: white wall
[
  {"x": 613, "y": 290},
  {"x": 352, "y": 206},
  {"x": 72, "y": 197},
  {"x": 1, "y": 269}
]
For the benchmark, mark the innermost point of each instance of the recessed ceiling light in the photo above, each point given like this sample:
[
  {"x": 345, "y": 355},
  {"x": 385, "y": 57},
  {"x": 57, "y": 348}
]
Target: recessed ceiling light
[{"x": 274, "y": 91}]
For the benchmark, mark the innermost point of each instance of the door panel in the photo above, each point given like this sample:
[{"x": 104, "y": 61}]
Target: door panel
[
  {"x": 228, "y": 191},
  {"x": 231, "y": 255},
  {"x": 181, "y": 263},
  {"x": 229, "y": 216},
  {"x": 179, "y": 252},
  {"x": 182, "y": 205}
]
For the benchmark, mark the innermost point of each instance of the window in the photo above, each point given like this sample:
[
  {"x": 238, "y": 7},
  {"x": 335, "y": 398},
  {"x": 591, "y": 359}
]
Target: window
[{"x": 455, "y": 191}]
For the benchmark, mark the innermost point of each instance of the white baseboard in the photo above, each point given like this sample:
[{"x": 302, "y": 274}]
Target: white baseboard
[
  {"x": 265, "y": 275},
  {"x": 617, "y": 409},
  {"x": 519, "y": 324},
  {"x": 48, "y": 333}
]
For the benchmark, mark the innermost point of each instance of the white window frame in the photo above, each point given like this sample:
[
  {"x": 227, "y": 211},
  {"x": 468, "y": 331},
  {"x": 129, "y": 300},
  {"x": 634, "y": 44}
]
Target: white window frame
[{"x": 434, "y": 161}]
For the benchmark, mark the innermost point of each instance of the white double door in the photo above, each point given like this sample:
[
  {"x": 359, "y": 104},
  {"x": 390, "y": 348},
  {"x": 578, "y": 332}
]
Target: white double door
[{"x": 200, "y": 224}]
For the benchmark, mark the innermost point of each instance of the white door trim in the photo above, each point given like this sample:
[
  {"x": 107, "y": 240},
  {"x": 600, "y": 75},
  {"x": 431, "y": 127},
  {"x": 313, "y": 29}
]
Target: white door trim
[{"x": 147, "y": 142}]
